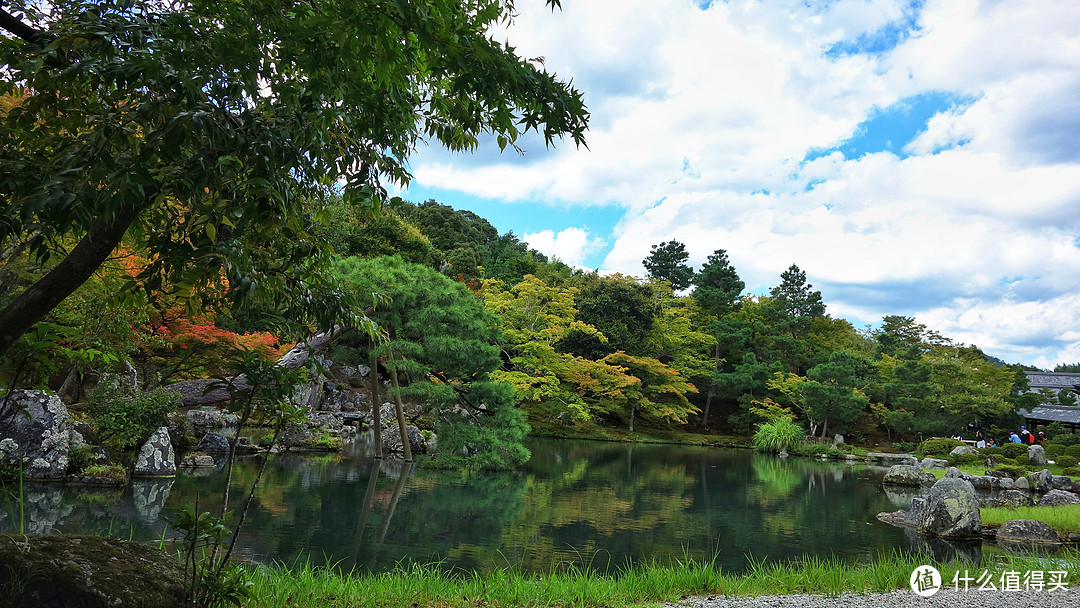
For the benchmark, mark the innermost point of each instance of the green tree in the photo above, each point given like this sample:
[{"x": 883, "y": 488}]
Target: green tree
[
  {"x": 794, "y": 305},
  {"x": 833, "y": 392},
  {"x": 446, "y": 342},
  {"x": 717, "y": 288},
  {"x": 621, "y": 308},
  {"x": 899, "y": 333},
  {"x": 967, "y": 387},
  {"x": 667, "y": 262},
  {"x": 213, "y": 129}
]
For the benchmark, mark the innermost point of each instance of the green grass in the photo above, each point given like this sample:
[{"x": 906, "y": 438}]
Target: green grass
[
  {"x": 572, "y": 587},
  {"x": 980, "y": 470},
  {"x": 642, "y": 435},
  {"x": 1064, "y": 519}
]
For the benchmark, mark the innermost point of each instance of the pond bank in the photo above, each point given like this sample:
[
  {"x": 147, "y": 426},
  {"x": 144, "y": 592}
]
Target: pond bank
[{"x": 812, "y": 582}]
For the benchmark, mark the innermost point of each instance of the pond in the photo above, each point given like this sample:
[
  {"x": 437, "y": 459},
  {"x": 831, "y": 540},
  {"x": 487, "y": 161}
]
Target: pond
[{"x": 594, "y": 504}]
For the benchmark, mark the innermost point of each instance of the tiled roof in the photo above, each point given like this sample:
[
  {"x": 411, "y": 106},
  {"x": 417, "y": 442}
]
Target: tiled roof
[
  {"x": 1056, "y": 380},
  {"x": 1053, "y": 413}
]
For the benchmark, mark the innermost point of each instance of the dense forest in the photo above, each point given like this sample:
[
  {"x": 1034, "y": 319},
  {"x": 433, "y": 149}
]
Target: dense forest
[{"x": 479, "y": 319}]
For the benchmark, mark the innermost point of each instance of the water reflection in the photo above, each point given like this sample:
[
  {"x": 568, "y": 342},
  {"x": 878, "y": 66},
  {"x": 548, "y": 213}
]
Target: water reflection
[{"x": 600, "y": 505}]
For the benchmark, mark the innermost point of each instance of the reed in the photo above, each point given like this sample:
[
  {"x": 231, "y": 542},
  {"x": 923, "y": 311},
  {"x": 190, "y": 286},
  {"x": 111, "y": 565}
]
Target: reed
[
  {"x": 430, "y": 586},
  {"x": 1063, "y": 519}
]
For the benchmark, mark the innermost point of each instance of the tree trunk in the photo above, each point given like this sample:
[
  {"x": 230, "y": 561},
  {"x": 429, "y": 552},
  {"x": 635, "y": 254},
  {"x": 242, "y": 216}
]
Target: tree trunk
[
  {"x": 712, "y": 385},
  {"x": 88, "y": 255},
  {"x": 400, "y": 417},
  {"x": 376, "y": 407}
]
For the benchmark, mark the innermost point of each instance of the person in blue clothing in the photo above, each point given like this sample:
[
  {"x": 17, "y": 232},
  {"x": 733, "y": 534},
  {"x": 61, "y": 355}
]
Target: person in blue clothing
[{"x": 1014, "y": 438}]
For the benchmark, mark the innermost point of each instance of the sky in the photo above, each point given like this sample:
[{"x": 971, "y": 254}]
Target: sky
[{"x": 913, "y": 158}]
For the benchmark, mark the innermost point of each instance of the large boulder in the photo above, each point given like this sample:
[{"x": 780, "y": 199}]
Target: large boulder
[
  {"x": 952, "y": 510},
  {"x": 88, "y": 572},
  {"x": 1041, "y": 481},
  {"x": 979, "y": 482},
  {"x": 1061, "y": 482},
  {"x": 156, "y": 457},
  {"x": 1056, "y": 498},
  {"x": 391, "y": 437},
  {"x": 962, "y": 450},
  {"x": 933, "y": 463},
  {"x": 903, "y": 475},
  {"x": 38, "y": 432},
  {"x": 1013, "y": 499},
  {"x": 1027, "y": 531},
  {"x": 213, "y": 443},
  {"x": 1037, "y": 455},
  {"x": 211, "y": 417}
]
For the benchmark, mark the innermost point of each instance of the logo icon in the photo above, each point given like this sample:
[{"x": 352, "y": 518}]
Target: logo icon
[{"x": 925, "y": 581}]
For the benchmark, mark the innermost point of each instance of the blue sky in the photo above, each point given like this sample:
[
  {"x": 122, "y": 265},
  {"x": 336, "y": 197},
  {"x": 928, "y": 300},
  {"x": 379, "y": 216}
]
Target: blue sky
[{"x": 916, "y": 158}]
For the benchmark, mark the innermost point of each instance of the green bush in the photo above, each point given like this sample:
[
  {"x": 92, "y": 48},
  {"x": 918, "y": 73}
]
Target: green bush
[
  {"x": 1073, "y": 450},
  {"x": 1023, "y": 460},
  {"x": 1013, "y": 450},
  {"x": 992, "y": 451},
  {"x": 1071, "y": 471},
  {"x": 79, "y": 459},
  {"x": 778, "y": 435},
  {"x": 904, "y": 446},
  {"x": 124, "y": 418},
  {"x": 1053, "y": 450},
  {"x": 111, "y": 471},
  {"x": 1007, "y": 461},
  {"x": 1067, "y": 461},
  {"x": 937, "y": 447},
  {"x": 965, "y": 459},
  {"x": 1067, "y": 439},
  {"x": 1012, "y": 470}
]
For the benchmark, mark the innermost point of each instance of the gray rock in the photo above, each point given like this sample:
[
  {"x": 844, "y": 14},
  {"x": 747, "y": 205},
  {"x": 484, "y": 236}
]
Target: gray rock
[
  {"x": 197, "y": 461},
  {"x": 149, "y": 496},
  {"x": 928, "y": 478},
  {"x": 952, "y": 510},
  {"x": 1040, "y": 481},
  {"x": 1055, "y": 498},
  {"x": 1022, "y": 483},
  {"x": 903, "y": 475},
  {"x": 933, "y": 463},
  {"x": 212, "y": 417},
  {"x": 1061, "y": 482},
  {"x": 962, "y": 450},
  {"x": 916, "y": 512},
  {"x": 838, "y": 439},
  {"x": 1037, "y": 455},
  {"x": 214, "y": 443},
  {"x": 1007, "y": 483},
  {"x": 1027, "y": 531},
  {"x": 156, "y": 457},
  {"x": 1012, "y": 498},
  {"x": 363, "y": 370},
  {"x": 1076, "y": 487},
  {"x": 391, "y": 437},
  {"x": 977, "y": 481},
  {"x": 38, "y": 432}
]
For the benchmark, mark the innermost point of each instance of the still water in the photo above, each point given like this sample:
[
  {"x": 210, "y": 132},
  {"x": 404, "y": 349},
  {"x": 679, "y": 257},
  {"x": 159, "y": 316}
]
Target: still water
[{"x": 593, "y": 504}]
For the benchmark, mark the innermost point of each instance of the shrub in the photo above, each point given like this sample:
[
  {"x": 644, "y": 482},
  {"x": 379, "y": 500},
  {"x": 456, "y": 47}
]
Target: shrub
[
  {"x": 904, "y": 446},
  {"x": 1067, "y": 461},
  {"x": 1073, "y": 450},
  {"x": 1071, "y": 471},
  {"x": 937, "y": 447},
  {"x": 1012, "y": 470},
  {"x": 1067, "y": 439},
  {"x": 1013, "y": 450},
  {"x": 1053, "y": 450},
  {"x": 965, "y": 459},
  {"x": 79, "y": 459},
  {"x": 1007, "y": 461},
  {"x": 124, "y": 418},
  {"x": 1023, "y": 460},
  {"x": 778, "y": 435},
  {"x": 111, "y": 471}
]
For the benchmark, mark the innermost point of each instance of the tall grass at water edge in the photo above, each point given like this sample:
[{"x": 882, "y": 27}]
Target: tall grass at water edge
[
  {"x": 1064, "y": 519},
  {"x": 425, "y": 586}
]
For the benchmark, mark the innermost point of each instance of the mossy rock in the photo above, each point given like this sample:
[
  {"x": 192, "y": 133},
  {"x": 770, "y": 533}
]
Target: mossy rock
[{"x": 87, "y": 571}]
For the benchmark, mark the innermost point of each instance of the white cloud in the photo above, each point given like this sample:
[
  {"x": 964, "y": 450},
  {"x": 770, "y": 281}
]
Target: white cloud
[
  {"x": 571, "y": 245},
  {"x": 702, "y": 119}
]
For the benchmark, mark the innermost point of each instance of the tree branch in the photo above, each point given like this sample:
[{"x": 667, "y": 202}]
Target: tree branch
[{"x": 14, "y": 25}]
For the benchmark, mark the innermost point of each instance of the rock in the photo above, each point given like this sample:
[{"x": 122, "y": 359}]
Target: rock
[
  {"x": 211, "y": 417},
  {"x": 198, "y": 461},
  {"x": 928, "y": 478},
  {"x": 363, "y": 370},
  {"x": 933, "y": 463},
  {"x": 838, "y": 439},
  {"x": 952, "y": 510},
  {"x": 1012, "y": 498},
  {"x": 977, "y": 481},
  {"x": 1022, "y": 483},
  {"x": 1061, "y": 482},
  {"x": 1040, "y": 481},
  {"x": 903, "y": 475},
  {"x": 391, "y": 437},
  {"x": 1027, "y": 531},
  {"x": 1007, "y": 483},
  {"x": 916, "y": 512},
  {"x": 1076, "y": 487},
  {"x": 87, "y": 571},
  {"x": 178, "y": 429},
  {"x": 38, "y": 431},
  {"x": 1037, "y": 455},
  {"x": 962, "y": 450},
  {"x": 1055, "y": 498},
  {"x": 214, "y": 443},
  {"x": 149, "y": 496},
  {"x": 156, "y": 457}
]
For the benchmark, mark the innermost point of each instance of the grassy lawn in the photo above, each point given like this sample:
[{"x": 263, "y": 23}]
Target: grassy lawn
[
  {"x": 1064, "y": 519},
  {"x": 641, "y": 435},
  {"x": 428, "y": 587}
]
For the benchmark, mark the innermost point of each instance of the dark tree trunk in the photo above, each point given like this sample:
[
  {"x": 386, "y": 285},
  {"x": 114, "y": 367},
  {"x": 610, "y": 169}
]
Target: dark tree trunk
[
  {"x": 33, "y": 304},
  {"x": 712, "y": 385}
]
